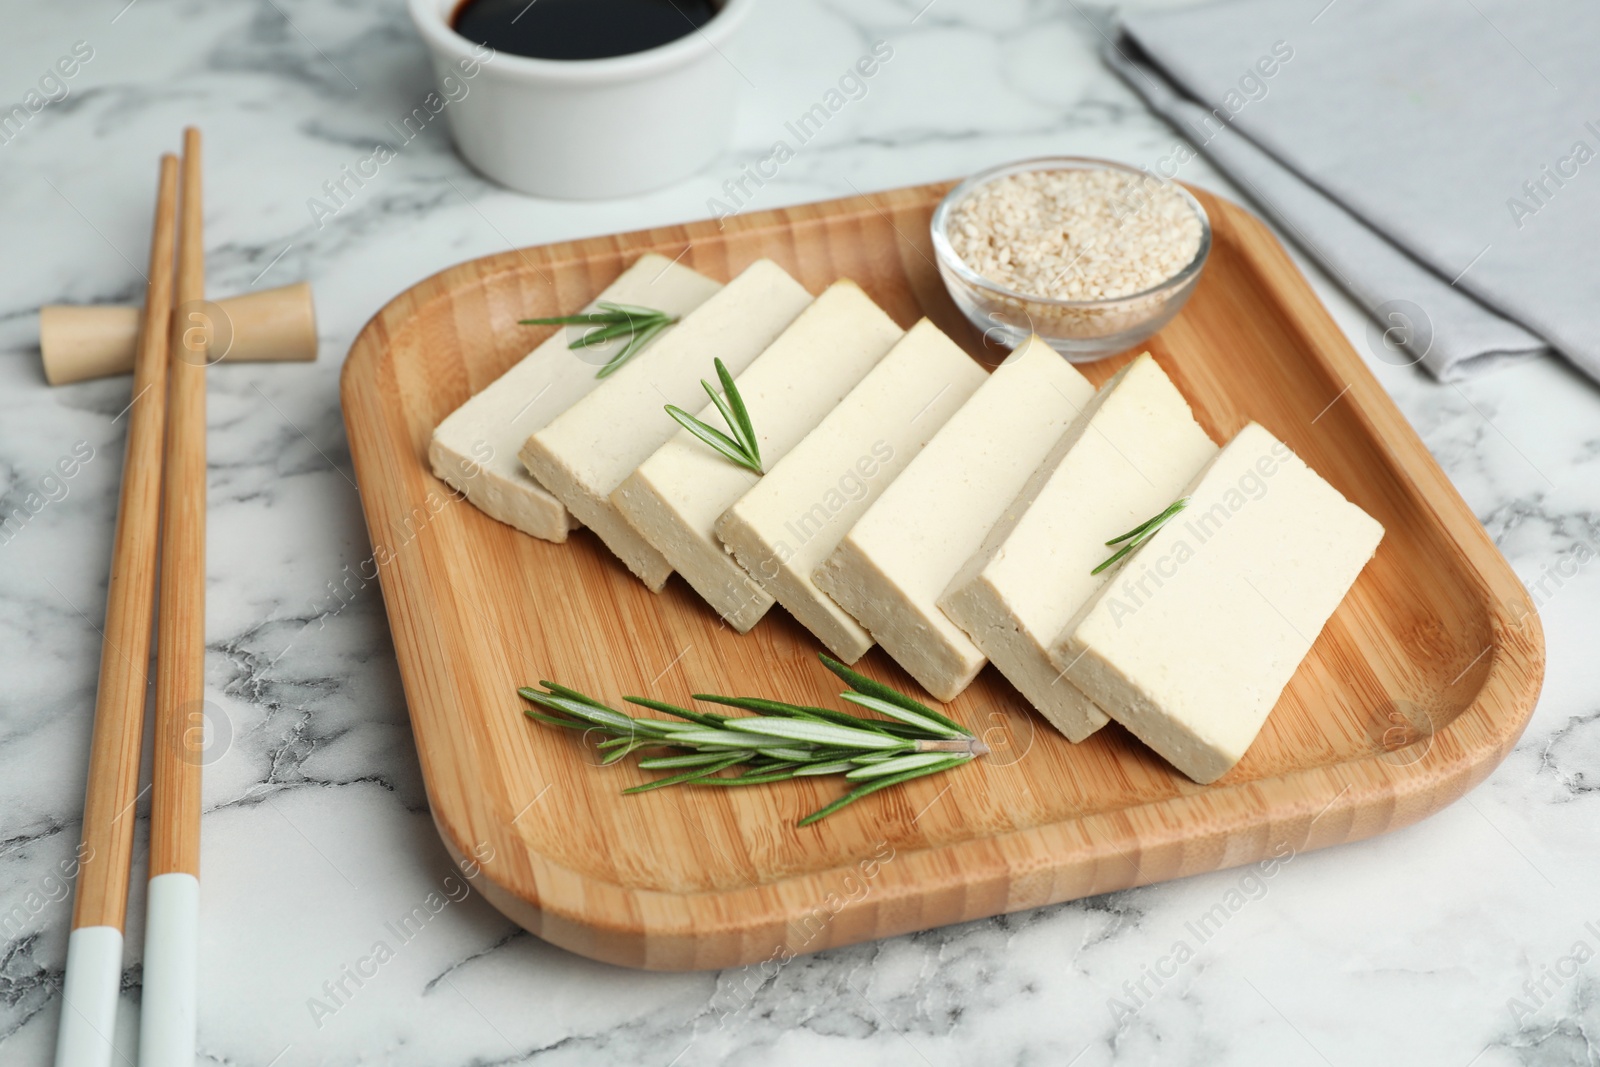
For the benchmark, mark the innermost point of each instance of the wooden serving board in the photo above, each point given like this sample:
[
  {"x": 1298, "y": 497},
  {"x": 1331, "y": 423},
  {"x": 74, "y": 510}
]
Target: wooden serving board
[{"x": 1419, "y": 685}]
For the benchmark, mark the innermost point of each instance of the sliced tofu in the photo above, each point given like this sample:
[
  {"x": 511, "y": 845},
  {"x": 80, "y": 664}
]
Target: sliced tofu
[
  {"x": 1131, "y": 454},
  {"x": 474, "y": 450},
  {"x": 889, "y": 570},
  {"x": 794, "y": 517},
  {"x": 1192, "y": 643},
  {"x": 586, "y": 452},
  {"x": 676, "y": 496}
]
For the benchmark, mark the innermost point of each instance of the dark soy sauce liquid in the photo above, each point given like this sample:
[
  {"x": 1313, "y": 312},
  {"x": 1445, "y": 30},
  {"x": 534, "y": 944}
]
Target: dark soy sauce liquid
[{"x": 579, "y": 29}]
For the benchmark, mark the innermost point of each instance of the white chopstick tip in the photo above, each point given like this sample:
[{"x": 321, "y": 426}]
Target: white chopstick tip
[
  {"x": 171, "y": 965},
  {"x": 87, "y": 1034}
]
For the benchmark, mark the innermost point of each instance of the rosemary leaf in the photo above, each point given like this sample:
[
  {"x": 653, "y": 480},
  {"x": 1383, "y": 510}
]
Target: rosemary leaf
[
  {"x": 611, "y": 321},
  {"x": 772, "y": 768},
  {"x": 662, "y": 728},
  {"x": 867, "y": 687},
  {"x": 767, "y": 707},
  {"x": 633, "y": 746},
  {"x": 1155, "y": 521},
  {"x": 837, "y": 767},
  {"x": 693, "y": 759},
  {"x": 895, "y": 711},
  {"x": 877, "y": 784},
  {"x": 749, "y": 779},
  {"x": 571, "y": 320},
  {"x": 703, "y": 719},
  {"x": 599, "y": 716},
  {"x": 1141, "y": 533},
  {"x": 641, "y": 337},
  {"x": 799, "y": 711},
  {"x": 666, "y": 726},
  {"x": 720, "y": 402},
  {"x": 603, "y": 334},
  {"x": 819, "y": 733},
  {"x": 563, "y": 691},
  {"x": 723, "y": 738},
  {"x": 570, "y": 724},
  {"x": 789, "y": 754},
  {"x": 712, "y": 436},
  {"x": 1112, "y": 559},
  {"x": 899, "y": 764},
  {"x": 741, "y": 447},
  {"x": 689, "y": 776},
  {"x": 739, "y": 421}
]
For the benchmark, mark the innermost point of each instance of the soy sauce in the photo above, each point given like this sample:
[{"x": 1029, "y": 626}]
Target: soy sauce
[{"x": 579, "y": 29}]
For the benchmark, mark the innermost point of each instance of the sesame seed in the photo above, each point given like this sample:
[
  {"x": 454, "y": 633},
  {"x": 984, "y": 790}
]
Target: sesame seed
[{"x": 1077, "y": 234}]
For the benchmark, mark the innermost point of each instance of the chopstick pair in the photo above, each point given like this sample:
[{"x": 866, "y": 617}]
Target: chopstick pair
[{"x": 163, "y": 503}]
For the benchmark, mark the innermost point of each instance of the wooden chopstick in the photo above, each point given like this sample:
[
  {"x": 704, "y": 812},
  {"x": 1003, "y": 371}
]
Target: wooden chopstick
[
  {"x": 94, "y": 948},
  {"x": 167, "y": 1015}
]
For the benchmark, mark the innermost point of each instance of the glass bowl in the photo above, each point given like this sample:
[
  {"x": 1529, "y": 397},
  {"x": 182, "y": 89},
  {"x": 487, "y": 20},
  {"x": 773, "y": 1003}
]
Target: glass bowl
[{"x": 1081, "y": 330}]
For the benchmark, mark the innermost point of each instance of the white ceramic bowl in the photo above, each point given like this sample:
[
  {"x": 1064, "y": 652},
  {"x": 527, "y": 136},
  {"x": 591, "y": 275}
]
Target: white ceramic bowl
[{"x": 586, "y": 128}]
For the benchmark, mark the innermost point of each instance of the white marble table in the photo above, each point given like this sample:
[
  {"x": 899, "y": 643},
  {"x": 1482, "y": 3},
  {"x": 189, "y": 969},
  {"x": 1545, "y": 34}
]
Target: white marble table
[{"x": 1413, "y": 948}]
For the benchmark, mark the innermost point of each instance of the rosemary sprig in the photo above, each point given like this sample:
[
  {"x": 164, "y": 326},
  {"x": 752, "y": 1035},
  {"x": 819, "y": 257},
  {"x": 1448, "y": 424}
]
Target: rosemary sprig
[
  {"x": 779, "y": 742},
  {"x": 1142, "y": 533},
  {"x": 742, "y": 447},
  {"x": 639, "y": 324}
]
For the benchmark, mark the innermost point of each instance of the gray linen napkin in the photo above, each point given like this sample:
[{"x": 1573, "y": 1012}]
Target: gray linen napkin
[{"x": 1441, "y": 158}]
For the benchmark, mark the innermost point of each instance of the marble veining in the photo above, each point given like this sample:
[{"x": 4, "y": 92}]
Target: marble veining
[{"x": 1466, "y": 939}]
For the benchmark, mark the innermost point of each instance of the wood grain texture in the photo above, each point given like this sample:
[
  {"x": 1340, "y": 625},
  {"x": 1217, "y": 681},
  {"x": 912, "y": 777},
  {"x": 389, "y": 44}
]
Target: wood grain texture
[
  {"x": 106, "y": 847},
  {"x": 181, "y": 621},
  {"x": 1418, "y": 686}
]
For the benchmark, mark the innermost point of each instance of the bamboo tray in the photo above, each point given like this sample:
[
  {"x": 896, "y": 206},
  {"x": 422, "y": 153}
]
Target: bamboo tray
[{"x": 1417, "y": 688}]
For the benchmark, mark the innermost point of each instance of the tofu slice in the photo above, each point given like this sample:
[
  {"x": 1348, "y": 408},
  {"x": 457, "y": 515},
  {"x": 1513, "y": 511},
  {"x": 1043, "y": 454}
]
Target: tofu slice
[
  {"x": 677, "y": 495},
  {"x": 586, "y": 452},
  {"x": 474, "y": 450},
  {"x": 1193, "y": 642},
  {"x": 795, "y": 516},
  {"x": 889, "y": 570},
  {"x": 1132, "y": 453}
]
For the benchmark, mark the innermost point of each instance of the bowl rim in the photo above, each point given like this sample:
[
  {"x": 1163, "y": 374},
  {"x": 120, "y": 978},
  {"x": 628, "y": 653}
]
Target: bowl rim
[
  {"x": 433, "y": 20},
  {"x": 948, "y": 258}
]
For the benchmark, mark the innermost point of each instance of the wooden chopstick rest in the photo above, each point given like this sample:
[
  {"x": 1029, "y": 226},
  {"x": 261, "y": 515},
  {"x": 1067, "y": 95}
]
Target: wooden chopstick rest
[{"x": 274, "y": 325}]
